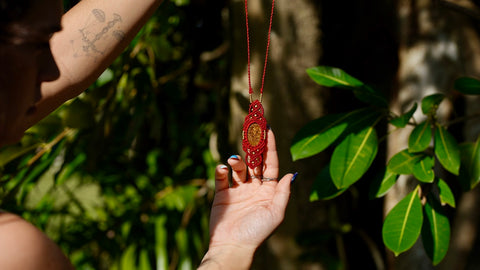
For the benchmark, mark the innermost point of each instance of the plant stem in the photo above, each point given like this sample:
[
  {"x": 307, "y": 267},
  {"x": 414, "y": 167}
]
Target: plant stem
[{"x": 463, "y": 119}]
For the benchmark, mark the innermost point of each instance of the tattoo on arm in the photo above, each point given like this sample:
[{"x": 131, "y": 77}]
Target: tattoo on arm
[{"x": 96, "y": 34}]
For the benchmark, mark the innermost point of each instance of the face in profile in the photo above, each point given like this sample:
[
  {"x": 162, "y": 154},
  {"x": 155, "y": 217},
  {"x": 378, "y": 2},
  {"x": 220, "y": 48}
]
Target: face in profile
[{"x": 26, "y": 61}]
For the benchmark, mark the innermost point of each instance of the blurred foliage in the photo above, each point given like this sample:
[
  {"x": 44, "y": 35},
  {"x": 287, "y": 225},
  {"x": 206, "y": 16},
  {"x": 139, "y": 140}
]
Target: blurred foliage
[{"x": 121, "y": 177}]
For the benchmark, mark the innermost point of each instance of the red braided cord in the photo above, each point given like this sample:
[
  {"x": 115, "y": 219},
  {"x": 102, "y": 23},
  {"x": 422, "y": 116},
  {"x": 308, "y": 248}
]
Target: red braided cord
[
  {"x": 250, "y": 90},
  {"x": 254, "y": 154}
]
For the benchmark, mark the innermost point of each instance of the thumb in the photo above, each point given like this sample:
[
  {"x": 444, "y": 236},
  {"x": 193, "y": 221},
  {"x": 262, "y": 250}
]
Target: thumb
[{"x": 282, "y": 193}]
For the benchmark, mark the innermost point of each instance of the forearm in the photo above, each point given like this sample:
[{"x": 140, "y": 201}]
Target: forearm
[
  {"x": 94, "y": 33},
  {"x": 227, "y": 257}
]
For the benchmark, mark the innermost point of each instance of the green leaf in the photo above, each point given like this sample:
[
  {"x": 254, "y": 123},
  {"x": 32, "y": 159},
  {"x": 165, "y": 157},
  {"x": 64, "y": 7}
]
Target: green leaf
[
  {"x": 445, "y": 193},
  {"x": 78, "y": 114},
  {"x": 323, "y": 187},
  {"x": 161, "y": 237},
  {"x": 430, "y": 103},
  {"x": 70, "y": 168},
  {"x": 403, "y": 224},
  {"x": 181, "y": 241},
  {"x": 106, "y": 77},
  {"x": 420, "y": 137},
  {"x": 382, "y": 183},
  {"x": 403, "y": 162},
  {"x": 333, "y": 77},
  {"x": 181, "y": 2},
  {"x": 42, "y": 165},
  {"x": 10, "y": 153},
  {"x": 435, "y": 231},
  {"x": 353, "y": 156},
  {"x": 317, "y": 135},
  {"x": 423, "y": 170},
  {"x": 403, "y": 119},
  {"x": 470, "y": 164},
  {"x": 447, "y": 150},
  {"x": 127, "y": 261},
  {"x": 144, "y": 261},
  {"x": 370, "y": 96},
  {"x": 468, "y": 86}
]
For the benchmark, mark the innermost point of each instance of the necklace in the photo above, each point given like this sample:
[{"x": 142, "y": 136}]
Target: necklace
[{"x": 254, "y": 133}]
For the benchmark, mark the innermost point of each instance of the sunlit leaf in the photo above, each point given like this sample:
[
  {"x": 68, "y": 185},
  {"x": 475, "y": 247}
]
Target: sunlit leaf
[
  {"x": 106, "y": 77},
  {"x": 403, "y": 224},
  {"x": 47, "y": 128},
  {"x": 403, "y": 119},
  {"x": 317, "y": 135},
  {"x": 128, "y": 258},
  {"x": 333, "y": 77},
  {"x": 181, "y": 240},
  {"x": 144, "y": 261},
  {"x": 430, "y": 103},
  {"x": 353, "y": 156},
  {"x": 445, "y": 193},
  {"x": 11, "y": 153},
  {"x": 468, "y": 86},
  {"x": 69, "y": 168},
  {"x": 420, "y": 137},
  {"x": 44, "y": 163},
  {"x": 470, "y": 164},
  {"x": 447, "y": 150},
  {"x": 403, "y": 162},
  {"x": 423, "y": 170},
  {"x": 181, "y": 2},
  {"x": 161, "y": 238},
  {"x": 323, "y": 187},
  {"x": 435, "y": 231},
  {"x": 382, "y": 183}
]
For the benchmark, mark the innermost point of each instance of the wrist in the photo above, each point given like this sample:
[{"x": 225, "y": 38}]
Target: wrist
[{"x": 233, "y": 257}]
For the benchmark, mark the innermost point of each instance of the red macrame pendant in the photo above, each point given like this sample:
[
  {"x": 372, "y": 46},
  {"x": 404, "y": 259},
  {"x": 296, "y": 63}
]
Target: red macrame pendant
[{"x": 254, "y": 135}]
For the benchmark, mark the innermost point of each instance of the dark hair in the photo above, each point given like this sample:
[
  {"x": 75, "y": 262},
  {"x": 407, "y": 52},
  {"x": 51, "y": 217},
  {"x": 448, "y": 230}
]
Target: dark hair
[{"x": 11, "y": 10}]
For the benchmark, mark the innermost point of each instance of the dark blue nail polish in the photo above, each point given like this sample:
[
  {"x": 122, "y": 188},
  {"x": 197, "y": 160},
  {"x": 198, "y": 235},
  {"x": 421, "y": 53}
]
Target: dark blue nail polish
[
  {"x": 234, "y": 157},
  {"x": 294, "y": 177},
  {"x": 269, "y": 127}
]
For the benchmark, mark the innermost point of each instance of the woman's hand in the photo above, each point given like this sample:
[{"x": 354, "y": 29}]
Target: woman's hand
[{"x": 245, "y": 213}]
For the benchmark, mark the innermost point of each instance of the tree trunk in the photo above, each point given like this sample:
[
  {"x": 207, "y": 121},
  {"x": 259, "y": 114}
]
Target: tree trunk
[
  {"x": 290, "y": 100},
  {"x": 437, "y": 45}
]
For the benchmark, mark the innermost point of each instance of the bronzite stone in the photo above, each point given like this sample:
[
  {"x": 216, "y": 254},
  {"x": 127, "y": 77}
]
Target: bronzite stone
[{"x": 254, "y": 134}]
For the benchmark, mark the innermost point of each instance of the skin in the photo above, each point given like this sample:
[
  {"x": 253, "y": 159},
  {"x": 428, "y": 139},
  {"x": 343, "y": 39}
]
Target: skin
[
  {"x": 79, "y": 54},
  {"x": 246, "y": 213},
  {"x": 25, "y": 247},
  {"x": 40, "y": 72},
  {"x": 24, "y": 67}
]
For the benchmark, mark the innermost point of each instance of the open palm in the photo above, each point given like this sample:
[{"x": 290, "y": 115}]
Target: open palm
[{"x": 247, "y": 211}]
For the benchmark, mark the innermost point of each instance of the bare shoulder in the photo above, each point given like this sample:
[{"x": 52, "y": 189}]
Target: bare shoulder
[{"x": 23, "y": 246}]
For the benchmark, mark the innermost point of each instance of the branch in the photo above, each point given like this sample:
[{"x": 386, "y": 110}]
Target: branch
[
  {"x": 464, "y": 7},
  {"x": 463, "y": 119}
]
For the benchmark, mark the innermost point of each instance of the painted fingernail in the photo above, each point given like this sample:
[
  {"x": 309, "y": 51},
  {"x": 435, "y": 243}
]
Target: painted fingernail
[
  {"x": 234, "y": 157},
  {"x": 269, "y": 127},
  {"x": 294, "y": 177},
  {"x": 223, "y": 167}
]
